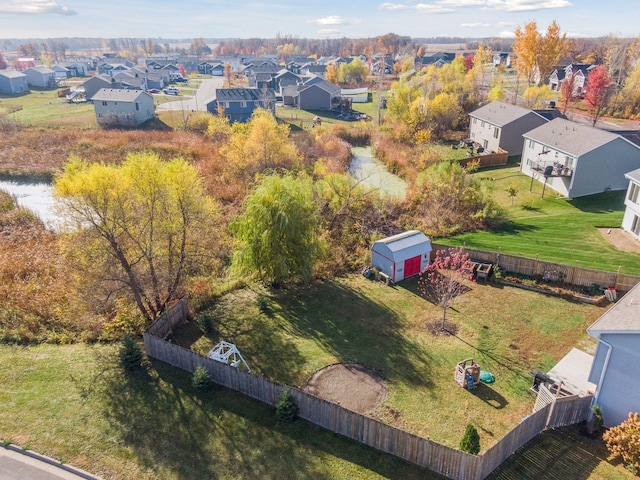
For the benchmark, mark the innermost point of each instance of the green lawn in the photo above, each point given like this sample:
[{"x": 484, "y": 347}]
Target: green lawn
[
  {"x": 508, "y": 331},
  {"x": 73, "y": 403},
  {"x": 552, "y": 228},
  {"x": 44, "y": 108}
]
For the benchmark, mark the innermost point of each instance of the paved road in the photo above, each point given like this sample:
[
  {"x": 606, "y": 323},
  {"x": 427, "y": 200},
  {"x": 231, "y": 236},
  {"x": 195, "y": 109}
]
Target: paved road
[
  {"x": 15, "y": 464},
  {"x": 205, "y": 93}
]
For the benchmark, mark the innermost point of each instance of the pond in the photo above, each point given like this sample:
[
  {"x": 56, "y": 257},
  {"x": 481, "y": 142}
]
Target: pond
[
  {"x": 37, "y": 197},
  {"x": 372, "y": 173}
]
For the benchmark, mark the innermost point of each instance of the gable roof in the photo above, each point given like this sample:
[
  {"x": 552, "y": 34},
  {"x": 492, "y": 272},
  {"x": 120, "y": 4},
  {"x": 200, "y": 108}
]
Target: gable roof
[
  {"x": 500, "y": 113},
  {"x": 321, "y": 83},
  {"x": 243, "y": 94},
  {"x": 572, "y": 138},
  {"x": 41, "y": 70},
  {"x": 621, "y": 318},
  {"x": 633, "y": 175},
  {"x": 12, "y": 74},
  {"x": 117, "y": 95},
  {"x": 404, "y": 240}
]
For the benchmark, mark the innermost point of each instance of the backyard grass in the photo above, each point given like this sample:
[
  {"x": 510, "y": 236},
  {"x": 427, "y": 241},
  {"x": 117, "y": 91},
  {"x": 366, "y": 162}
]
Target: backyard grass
[
  {"x": 287, "y": 336},
  {"x": 553, "y": 228},
  {"x": 73, "y": 403},
  {"x": 44, "y": 108}
]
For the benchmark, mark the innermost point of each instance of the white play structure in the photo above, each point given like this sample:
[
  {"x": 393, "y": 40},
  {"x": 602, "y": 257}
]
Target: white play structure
[{"x": 228, "y": 353}]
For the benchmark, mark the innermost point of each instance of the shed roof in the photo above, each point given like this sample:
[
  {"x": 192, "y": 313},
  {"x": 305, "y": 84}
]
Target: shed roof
[
  {"x": 623, "y": 317},
  {"x": 403, "y": 240},
  {"x": 12, "y": 74},
  {"x": 500, "y": 113},
  {"x": 570, "y": 137},
  {"x": 117, "y": 95}
]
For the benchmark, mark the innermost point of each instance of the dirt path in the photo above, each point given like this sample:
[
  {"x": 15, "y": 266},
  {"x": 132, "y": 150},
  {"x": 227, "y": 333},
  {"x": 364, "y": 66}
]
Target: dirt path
[{"x": 620, "y": 239}]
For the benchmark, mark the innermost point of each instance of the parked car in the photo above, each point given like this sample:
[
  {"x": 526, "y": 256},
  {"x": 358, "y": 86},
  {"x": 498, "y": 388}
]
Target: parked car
[
  {"x": 153, "y": 90},
  {"x": 171, "y": 91}
]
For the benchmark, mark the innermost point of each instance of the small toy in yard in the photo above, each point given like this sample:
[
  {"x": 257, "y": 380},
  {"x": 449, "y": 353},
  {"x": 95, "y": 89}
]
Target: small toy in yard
[
  {"x": 228, "y": 353},
  {"x": 467, "y": 374}
]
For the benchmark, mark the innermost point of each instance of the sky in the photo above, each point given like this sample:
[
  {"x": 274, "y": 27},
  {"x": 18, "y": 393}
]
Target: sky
[{"x": 176, "y": 19}]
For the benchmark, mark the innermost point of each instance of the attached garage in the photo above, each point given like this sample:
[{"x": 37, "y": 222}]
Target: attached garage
[{"x": 401, "y": 256}]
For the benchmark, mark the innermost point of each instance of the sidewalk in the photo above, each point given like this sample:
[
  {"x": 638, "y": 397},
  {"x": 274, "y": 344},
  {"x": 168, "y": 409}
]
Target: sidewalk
[{"x": 19, "y": 464}]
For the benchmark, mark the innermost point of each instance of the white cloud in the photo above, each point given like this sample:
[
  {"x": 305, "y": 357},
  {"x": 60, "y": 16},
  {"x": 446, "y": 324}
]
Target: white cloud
[
  {"x": 507, "y": 5},
  {"x": 526, "y": 5},
  {"x": 33, "y": 7},
  {"x": 506, "y": 34},
  {"x": 330, "y": 20},
  {"x": 424, "y": 8},
  {"x": 393, "y": 6}
]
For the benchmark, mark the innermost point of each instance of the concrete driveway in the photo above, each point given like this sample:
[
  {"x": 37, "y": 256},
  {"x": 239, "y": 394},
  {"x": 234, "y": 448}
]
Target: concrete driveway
[
  {"x": 205, "y": 93},
  {"x": 18, "y": 464}
]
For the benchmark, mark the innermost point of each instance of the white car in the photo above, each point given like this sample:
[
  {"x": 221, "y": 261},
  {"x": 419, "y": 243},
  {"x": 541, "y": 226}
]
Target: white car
[{"x": 171, "y": 91}]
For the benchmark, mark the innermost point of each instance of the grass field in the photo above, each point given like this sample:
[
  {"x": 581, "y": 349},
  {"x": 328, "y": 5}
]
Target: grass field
[
  {"x": 353, "y": 320},
  {"x": 73, "y": 402},
  {"x": 43, "y": 108},
  {"x": 552, "y": 228}
]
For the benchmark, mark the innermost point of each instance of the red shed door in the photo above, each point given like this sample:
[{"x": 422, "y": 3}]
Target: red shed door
[{"x": 412, "y": 266}]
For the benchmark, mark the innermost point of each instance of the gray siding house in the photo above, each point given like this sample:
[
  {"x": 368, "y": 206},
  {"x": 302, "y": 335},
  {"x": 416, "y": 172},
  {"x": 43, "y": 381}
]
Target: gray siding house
[
  {"x": 12, "y": 82},
  {"x": 577, "y": 160},
  {"x": 126, "y": 108},
  {"x": 318, "y": 95},
  {"x": 501, "y": 125},
  {"x": 631, "y": 219},
  {"x": 239, "y": 103},
  {"x": 94, "y": 84},
  {"x": 614, "y": 370},
  {"x": 42, "y": 77}
]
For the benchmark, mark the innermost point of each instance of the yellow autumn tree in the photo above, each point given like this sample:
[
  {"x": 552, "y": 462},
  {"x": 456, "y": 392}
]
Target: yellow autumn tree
[{"x": 536, "y": 54}]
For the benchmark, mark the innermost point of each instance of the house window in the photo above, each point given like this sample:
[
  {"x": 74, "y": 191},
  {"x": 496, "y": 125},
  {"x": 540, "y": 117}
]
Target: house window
[
  {"x": 243, "y": 104},
  {"x": 482, "y": 124},
  {"x": 475, "y": 120},
  {"x": 485, "y": 143},
  {"x": 530, "y": 143},
  {"x": 495, "y": 132},
  {"x": 137, "y": 107},
  {"x": 635, "y": 226},
  {"x": 633, "y": 192},
  {"x": 568, "y": 162},
  {"x": 104, "y": 104}
]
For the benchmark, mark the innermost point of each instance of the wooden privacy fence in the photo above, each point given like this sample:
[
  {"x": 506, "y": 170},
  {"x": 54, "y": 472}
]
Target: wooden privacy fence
[
  {"x": 572, "y": 274},
  {"x": 487, "y": 160},
  {"x": 369, "y": 431}
]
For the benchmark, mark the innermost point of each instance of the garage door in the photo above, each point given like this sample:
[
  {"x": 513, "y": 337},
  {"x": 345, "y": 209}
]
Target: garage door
[{"x": 412, "y": 266}]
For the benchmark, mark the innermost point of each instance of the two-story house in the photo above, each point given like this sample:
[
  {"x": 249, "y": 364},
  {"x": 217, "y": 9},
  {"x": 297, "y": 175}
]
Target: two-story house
[{"x": 631, "y": 219}]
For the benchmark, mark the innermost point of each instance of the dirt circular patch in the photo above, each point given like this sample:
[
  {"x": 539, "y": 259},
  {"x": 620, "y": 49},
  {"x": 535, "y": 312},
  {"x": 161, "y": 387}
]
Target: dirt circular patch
[{"x": 350, "y": 385}]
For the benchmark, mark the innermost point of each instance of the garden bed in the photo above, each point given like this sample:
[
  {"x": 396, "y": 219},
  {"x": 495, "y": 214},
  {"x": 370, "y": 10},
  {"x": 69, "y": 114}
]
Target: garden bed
[{"x": 568, "y": 292}]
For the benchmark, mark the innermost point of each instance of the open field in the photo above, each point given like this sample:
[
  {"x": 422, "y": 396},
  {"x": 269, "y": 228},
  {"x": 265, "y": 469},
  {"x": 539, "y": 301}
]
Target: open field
[
  {"x": 554, "y": 228},
  {"x": 45, "y": 108},
  {"x": 353, "y": 320}
]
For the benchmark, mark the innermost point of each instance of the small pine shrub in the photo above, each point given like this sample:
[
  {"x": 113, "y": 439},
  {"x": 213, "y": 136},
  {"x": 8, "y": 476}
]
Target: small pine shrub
[
  {"x": 263, "y": 303},
  {"x": 200, "y": 379},
  {"x": 130, "y": 353},
  {"x": 205, "y": 322},
  {"x": 598, "y": 423},
  {"x": 286, "y": 408},
  {"x": 470, "y": 442}
]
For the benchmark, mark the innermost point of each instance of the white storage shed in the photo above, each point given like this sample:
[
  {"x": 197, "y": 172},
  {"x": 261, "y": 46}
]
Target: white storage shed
[{"x": 401, "y": 256}]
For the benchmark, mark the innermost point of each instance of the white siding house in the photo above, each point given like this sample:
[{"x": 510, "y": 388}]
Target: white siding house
[
  {"x": 501, "y": 125},
  {"x": 631, "y": 220},
  {"x": 401, "y": 256},
  {"x": 614, "y": 370},
  {"x": 577, "y": 160},
  {"x": 127, "y": 108}
]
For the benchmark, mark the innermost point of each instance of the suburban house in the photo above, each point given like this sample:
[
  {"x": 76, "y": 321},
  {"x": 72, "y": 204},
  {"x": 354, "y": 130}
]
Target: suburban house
[
  {"x": 317, "y": 94},
  {"x": 577, "y": 160},
  {"x": 499, "y": 125},
  {"x": 42, "y": 77},
  {"x": 61, "y": 72},
  {"x": 313, "y": 69},
  {"x": 501, "y": 59},
  {"x": 12, "y": 82},
  {"x": 283, "y": 78},
  {"x": 401, "y": 256},
  {"x": 215, "y": 69},
  {"x": 239, "y": 103},
  {"x": 438, "y": 59},
  {"x": 577, "y": 73},
  {"x": 614, "y": 370},
  {"x": 631, "y": 219},
  {"x": 94, "y": 84},
  {"x": 127, "y": 108},
  {"x": 114, "y": 65}
]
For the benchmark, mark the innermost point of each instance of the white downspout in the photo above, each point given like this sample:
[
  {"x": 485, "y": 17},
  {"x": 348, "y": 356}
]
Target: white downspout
[{"x": 602, "y": 374}]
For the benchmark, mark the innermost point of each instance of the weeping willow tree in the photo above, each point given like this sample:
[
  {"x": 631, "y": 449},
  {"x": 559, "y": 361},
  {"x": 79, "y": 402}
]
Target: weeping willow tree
[
  {"x": 138, "y": 229},
  {"x": 277, "y": 235}
]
